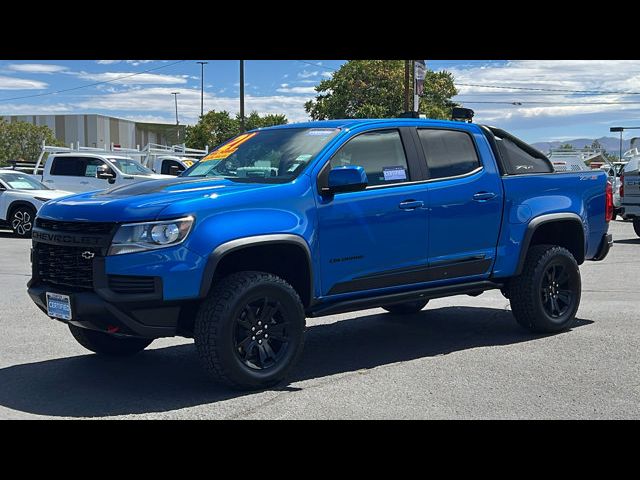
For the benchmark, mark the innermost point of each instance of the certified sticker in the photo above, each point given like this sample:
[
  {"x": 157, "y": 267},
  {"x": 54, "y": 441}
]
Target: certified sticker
[{"x": 394, "y": 173}]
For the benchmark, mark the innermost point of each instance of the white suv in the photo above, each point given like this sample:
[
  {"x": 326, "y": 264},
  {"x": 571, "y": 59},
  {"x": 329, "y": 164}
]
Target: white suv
[
  {"x": 84, "y": 172},
  {"x": 21, "y": 196}
]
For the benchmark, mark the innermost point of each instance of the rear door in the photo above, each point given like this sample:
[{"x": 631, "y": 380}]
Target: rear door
[{"x": 465, "y": 204}]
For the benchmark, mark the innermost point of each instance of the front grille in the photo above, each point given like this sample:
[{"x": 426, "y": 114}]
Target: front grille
[
  {"x": 76, "y": 227},
  {"x": 63, "y": 265},
  {"x": 131, "y": 285}
]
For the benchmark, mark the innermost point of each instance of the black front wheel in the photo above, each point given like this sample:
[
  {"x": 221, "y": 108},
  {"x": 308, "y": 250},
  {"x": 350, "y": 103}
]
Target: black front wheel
[
  {"x": 249, "y": 333},
  {"x": 22, "y": 219},
  {"x": 636, "y": 225},
  {"x": 546, "y": 295},
  {"x": 106, "y": 344}
]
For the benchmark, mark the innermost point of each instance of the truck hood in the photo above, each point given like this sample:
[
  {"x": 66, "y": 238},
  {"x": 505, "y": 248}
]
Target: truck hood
[{"x": 142, "y": 200}]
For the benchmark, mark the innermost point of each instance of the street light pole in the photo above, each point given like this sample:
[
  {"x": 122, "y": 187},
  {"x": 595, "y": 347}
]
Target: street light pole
[
  {"x": 241, "y": 95},
  {"x": 622, "y": 129},
  {"x": 175, "y": 96},
  {"x": 202, "y": 64},
  {"x": 406, "y": 86}
]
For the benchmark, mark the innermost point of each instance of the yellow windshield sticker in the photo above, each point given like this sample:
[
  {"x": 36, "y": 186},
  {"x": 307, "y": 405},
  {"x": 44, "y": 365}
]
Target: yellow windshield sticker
[
  {"x": 188, "y": 163},
  {"x": 229, "y": 148}
]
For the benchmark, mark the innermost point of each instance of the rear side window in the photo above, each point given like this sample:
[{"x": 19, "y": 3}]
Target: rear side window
[
  {"x": 449, "y": 153},
  {"x": 517, "y": 161},
  {"x": 380, "y": 153},
  {"x": 68, "y": 166}
]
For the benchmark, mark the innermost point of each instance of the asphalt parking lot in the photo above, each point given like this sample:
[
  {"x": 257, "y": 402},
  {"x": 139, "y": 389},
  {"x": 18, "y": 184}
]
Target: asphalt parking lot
[{"x": 460, "y": 358}]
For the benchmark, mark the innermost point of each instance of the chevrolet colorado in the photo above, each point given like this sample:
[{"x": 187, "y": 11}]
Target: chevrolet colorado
[{"x": 311, "y": 219}]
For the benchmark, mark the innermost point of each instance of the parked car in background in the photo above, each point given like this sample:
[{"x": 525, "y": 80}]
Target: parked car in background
[
  {"x": 630, "y": 190},
  {"x": 614, "y": 169},
  {"x": 21, "y": 196},
  {"x": 84, "y": 172},
  {"x": 169, "y": 164}
]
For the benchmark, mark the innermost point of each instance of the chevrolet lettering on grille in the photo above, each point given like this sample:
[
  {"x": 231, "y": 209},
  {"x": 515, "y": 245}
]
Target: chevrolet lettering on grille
[{"x": 63, "y": 238}]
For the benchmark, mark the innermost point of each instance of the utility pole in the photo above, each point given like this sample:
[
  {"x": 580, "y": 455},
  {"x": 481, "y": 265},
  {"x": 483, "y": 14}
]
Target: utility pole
[
  {"x": 202, "y": 64},
  {"x": 175, "y": 96},
  {"x": 241, "y": 95},
  {"x": 406, "y": 86}
]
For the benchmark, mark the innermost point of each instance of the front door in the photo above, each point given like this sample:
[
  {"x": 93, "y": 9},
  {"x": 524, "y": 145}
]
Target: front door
[
  {"x": 465, "y": 205},
  {"x": 374, "y": 238}
]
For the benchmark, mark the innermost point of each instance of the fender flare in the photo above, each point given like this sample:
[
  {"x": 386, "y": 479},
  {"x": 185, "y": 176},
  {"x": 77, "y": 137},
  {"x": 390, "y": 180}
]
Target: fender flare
[
  {"x": 537, "y": 222},
  {"x": 246, "y": 242}
]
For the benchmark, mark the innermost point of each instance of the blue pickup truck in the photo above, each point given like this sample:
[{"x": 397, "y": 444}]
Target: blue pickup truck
[{"x": 312, "y": 219}]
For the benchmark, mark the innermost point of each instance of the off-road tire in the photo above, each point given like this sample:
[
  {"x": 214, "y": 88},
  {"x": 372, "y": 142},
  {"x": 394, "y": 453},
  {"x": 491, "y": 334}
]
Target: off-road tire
[
  {"x": 526, "y": 291},
  {"x": 216, "y": 325},
  {"x": 636, "y": 225},
  {"x": 106, "y": 344}
]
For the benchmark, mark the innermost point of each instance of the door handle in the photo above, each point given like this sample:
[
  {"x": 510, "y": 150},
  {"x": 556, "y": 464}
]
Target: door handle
[
  {"x": 48, "y": 181},
  {"x": 484, "y": 196},
  {"x": 84, "y": 183},
  {"x": 411, "y": 204}
]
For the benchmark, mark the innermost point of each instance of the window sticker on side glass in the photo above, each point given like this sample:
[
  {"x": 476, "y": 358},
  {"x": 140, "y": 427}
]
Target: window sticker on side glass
[{"x": 394, "y": 173}]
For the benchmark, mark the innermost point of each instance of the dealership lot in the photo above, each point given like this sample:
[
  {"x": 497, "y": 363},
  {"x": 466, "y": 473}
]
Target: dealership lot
[{"x": 461, "y": 357}]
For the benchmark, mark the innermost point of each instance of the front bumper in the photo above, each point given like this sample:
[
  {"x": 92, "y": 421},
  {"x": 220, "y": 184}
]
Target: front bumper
[
  {"x": 603, "y": 249},
  {"x": 140, "y": 319}
]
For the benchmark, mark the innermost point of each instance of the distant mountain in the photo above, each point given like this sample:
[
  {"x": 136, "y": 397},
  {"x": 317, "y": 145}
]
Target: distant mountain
[{"x": 610, "y": 144}]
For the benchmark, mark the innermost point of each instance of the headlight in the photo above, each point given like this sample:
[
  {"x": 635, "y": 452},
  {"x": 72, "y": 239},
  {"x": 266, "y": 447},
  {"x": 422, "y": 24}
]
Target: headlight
[{"x": 138, "y": 237}]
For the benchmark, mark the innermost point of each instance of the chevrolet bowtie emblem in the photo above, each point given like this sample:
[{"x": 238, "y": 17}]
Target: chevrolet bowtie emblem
[{"x": 88, "y": 255}]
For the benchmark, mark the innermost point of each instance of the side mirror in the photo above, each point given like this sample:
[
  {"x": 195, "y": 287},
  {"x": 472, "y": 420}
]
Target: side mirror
[
  {"x": 105, "y": 173},
  {"x": 350, "y": 178}
]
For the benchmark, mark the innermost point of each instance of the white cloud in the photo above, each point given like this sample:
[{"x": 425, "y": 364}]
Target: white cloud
[
  {"x": 36, "y": 67},
  {"x": 139, "y": 79},
  {"x": 30, "y": 109},
  {"x": 284, "y": 85},
  {"x": 327, "y": 74},
  {"x": 557, "y": 112},
  {"x": 308, "y": 74},
  {"x": 11, "y": 83},
  {"x": 305, "y": 90},
  {"x": 135, "y": 63},
  {"x": 158, "y": 103}
]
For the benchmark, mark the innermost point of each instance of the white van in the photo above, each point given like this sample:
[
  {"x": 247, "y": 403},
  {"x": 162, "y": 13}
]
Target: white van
[
  {"x": 630, "y": 189},
  {"x": 82, "y": 172}
]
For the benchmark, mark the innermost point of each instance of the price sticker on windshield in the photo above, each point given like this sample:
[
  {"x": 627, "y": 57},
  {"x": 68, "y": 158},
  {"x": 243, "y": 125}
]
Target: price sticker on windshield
[{"x": 229, "y": 148}]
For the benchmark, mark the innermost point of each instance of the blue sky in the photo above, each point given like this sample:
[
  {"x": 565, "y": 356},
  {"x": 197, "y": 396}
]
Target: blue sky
[{"x": 284, "y": 86}]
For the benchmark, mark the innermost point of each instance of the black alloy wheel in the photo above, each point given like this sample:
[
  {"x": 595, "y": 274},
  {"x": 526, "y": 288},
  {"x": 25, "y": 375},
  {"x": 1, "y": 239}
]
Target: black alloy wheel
[
  {"x": 556, "y": 292},
  {"x": 261, "y": 334}
]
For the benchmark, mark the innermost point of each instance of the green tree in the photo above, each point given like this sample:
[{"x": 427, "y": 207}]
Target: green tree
[
  {"x": 214, "y": 128},
  {"x": 565, "y": 146},
  {"x": 375, "y": 89},
  {"x": 22, "y": 141}
]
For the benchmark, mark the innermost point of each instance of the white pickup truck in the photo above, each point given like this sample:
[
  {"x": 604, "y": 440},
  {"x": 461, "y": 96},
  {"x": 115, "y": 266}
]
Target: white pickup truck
[{"x": 82, "y": 172}]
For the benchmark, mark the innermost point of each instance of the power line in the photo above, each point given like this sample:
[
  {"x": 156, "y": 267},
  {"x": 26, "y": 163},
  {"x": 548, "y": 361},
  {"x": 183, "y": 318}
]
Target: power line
[
  {"x": 516, "y": 103},
  {"x": 90, "y": 84},
  {"x": 532, "y": 89},
  {"x": 600, "y": 92}
]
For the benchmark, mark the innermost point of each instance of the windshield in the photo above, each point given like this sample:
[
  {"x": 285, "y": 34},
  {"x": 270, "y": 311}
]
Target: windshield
[
  {"x": 269, "y": 156},
  {"x": 130, "y": 167},
  {"x": 22, "y": 181}
]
